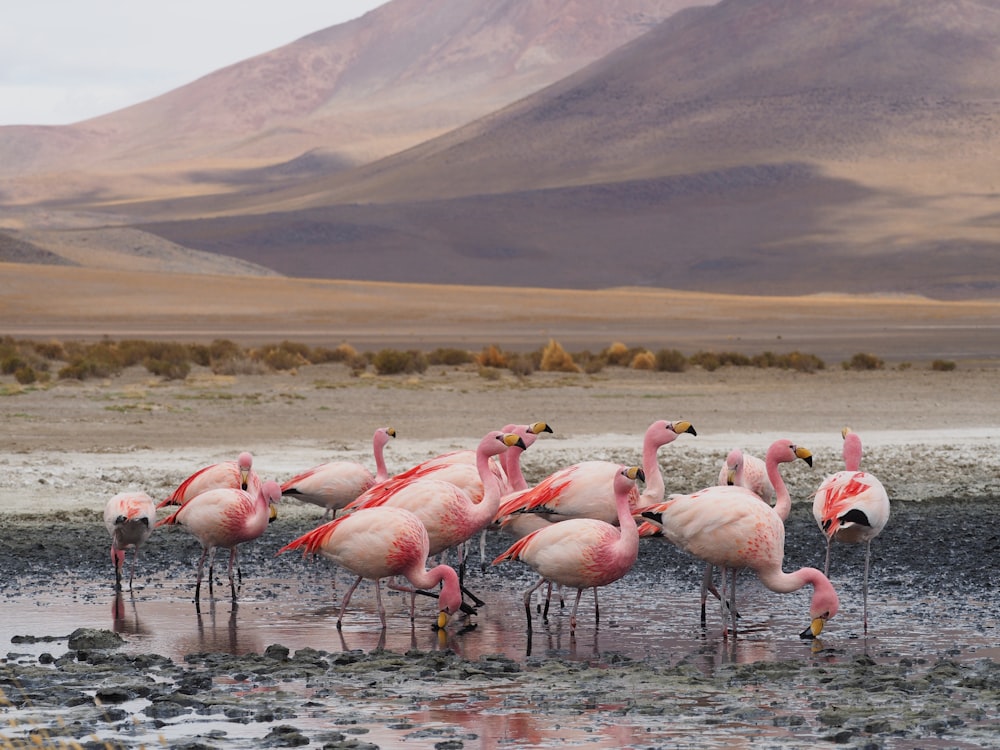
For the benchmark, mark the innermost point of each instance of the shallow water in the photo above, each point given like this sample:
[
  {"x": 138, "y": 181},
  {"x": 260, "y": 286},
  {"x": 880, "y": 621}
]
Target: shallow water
[{"x": 607, "y": 686}]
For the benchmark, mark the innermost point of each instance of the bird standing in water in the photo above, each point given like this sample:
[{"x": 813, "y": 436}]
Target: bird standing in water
[
  {"x": 129, "y": 518},
  {"x": 852, "y": 507}
]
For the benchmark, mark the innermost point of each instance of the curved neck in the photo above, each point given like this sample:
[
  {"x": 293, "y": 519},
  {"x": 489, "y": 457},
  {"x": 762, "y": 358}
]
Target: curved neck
[
  {"x": 381, "y": 473},
  {"x": 491, "y": 485},
  {"x": 626, "y": 521},
  {"x": 653, "y": 492},
  {"x": 782, "y": 500},
  {"x": 512, "y": 465}
]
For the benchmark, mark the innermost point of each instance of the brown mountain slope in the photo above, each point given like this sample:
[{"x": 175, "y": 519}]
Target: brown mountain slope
[
  {"x": 404, "y": 72},
  {"x": 779, "y": 145}
]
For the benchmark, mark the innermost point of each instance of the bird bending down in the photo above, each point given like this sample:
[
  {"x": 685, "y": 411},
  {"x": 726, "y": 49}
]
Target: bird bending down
[
  {"x": 730, "y": 528},
  {"x": 743, "y": 470},
  {"x": 129, "y": 518},
  {"x": 584, "y": 490},
  {"x": 582, "y": 553},
  {"x": 452, "y": 516},
  {"x": 238, "y": 474},
  {"x": 334, "y": 484},
  {"x": 375, "y": 543},
  {"x": 225, "y": 517},
  {"x": 852, "y": 507}
]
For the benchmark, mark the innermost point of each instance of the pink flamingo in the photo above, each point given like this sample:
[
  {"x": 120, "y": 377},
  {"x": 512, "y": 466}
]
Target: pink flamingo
[
  {"x": 334, "y": 484},
  {"x": 747, "y": 471},
  {"x": 129, "y": 519},
  {"x": 584, "y": 490},
  {"x": 743, "y": 470},
  {"x": 379, "y": 542},
  {"x": 852, "y": 506},
  {"x": 452, "y": 516},
  {"x": 238, "y": 474},
  {"x": 582, "y": 553},
  {"x": 225, "y": 517},
  {"x": 729, "y": 527}
]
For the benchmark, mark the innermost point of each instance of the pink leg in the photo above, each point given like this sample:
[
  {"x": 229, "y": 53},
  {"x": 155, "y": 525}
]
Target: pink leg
[
  {"x": 347, "y": 599},
  {"x": 576, "y": 606}
]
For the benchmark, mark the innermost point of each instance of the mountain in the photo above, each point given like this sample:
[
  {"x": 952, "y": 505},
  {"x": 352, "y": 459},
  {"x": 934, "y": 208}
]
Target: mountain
[
  {"x": 401, "y": 74},
  {"x": 765, "y": 146}
]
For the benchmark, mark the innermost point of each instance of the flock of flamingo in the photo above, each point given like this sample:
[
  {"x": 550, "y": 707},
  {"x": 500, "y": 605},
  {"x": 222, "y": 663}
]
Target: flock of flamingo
[{"x": 579, "y": 528}]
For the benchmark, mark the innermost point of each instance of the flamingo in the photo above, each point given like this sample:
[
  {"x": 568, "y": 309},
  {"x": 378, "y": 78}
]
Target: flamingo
[
  {"x": 129, "y": 518},
  {"x": 511, "y": 458},
  {"x": 238, "y": 474},
  {"x": 582, "y": 553},
  {"x": 584, "y": 490},
  {"x": 729, "y": 527},
  {"x": 747, "y": 471},
  {"x": 379, "y": 542},
  {"x": 225, "y": 517},
  {"x": 852, "y": 506},
  {"x": 450, "y": 513},
  {"x": 334, "y": 484},
  {"x": 743, "y": 470}
]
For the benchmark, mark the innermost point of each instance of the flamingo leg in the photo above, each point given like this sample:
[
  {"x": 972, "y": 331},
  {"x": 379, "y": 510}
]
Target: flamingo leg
[
  {"x": 347, "y": 598},
  {"x": 201, "y": 569},
  {"x": 706, "y": 585},
  {"x": 868, "y": 552},
  {"x": 527, "y": 600},
  {"x": 378, "y": 602},
  {"x": 732, "y": 602},
  {"x": 233, "y": 561},
  {"x": 826, "y": 565},
  {"x": 576, "y": 606},
  {"x": 482, "y": 551},
  {"x": 597, "y": 609},
  {"x": 131, "y": 571}
]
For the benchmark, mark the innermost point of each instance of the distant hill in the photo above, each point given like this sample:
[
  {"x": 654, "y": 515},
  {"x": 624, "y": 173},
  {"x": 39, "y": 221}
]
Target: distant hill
[{"x": 765, "y": 146}]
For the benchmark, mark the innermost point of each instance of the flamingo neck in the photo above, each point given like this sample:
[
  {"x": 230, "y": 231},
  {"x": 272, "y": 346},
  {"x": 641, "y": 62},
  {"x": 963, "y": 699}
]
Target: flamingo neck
[
  {"x": 381, "y": 472},
  {"x": 653, "y": 493},
  {"x": 629, "y": 534},
  {"x": 782, "y": 500},
  {"x": 512, "y": 465},
  {"x": 824, "y": 599},
  {"x": 852, "y": 452},
  {"x": 491, "y": 485}
]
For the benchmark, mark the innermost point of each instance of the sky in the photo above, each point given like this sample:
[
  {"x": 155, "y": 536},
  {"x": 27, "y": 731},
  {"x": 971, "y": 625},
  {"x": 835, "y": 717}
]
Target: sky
[{"x": 62, "y": 61}]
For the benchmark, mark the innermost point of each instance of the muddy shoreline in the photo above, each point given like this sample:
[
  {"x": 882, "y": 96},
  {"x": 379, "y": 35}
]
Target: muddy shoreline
[{"x": 648, "y": 676}]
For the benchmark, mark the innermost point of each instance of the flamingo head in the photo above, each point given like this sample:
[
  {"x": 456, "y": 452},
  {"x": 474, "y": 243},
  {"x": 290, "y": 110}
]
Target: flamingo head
[
  {"x": 450, "y": 598},
  {"x": 824, "y": 606},
  {"x": 734, "y": 465},
  {"x": 785, "y": 451},
  {"x": 244, "y": 463},
  {"x": 270, "y": 491},
  {"x": 383, "y": 435},
  {"x": 497, "y": 442},
  {"x": 662, "y": 432}
]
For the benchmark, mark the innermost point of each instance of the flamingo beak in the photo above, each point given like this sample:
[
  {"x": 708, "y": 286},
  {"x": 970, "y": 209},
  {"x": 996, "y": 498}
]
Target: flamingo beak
[
  {"x": 442, "y": 621},
  {"x": 244, "y": 479},
  {"x": 539, "y": 427},
  {"x": 805, "y": 454},
  {"x": 814, "y": 629},
  {"x": 730, "y": 476},
  {"x": 272, "y": 512},
  {"x": 684, "y": 426},
  {"x": 513, "y": 440}
]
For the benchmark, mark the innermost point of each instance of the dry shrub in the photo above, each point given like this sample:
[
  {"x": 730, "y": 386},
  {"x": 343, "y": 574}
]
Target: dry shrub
[
  {"x": 395, "y": 362},
  {"x": 521, "y": 364},
  {"x": 557, "y": 359},
  {"x": 618, "y": 355},
  {"x": 943, "y": 365},
  {"x": 492, "y": 356},
  {"x": 449, "y": 356},
  {"x": 644, "y": 360},
  {"x": 670, "y": 360},
  {"x": 863, "y": 361}
]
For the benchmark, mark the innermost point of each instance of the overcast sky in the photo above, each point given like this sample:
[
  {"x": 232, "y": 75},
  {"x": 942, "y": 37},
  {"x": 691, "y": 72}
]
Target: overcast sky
[{"x": 62, "y": 61}]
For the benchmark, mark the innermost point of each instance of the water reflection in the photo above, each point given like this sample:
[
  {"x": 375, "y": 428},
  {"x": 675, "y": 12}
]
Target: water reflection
[{"x": 126, "y": 621}]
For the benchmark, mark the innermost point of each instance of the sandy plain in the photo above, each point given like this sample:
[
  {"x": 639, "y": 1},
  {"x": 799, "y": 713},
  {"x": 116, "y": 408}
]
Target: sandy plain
[{"x": 929, "y": 678}]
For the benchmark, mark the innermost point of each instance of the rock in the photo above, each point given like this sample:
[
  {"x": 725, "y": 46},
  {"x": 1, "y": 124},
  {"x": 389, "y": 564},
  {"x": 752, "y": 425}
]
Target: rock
[{"x": 86, "y": 639}]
